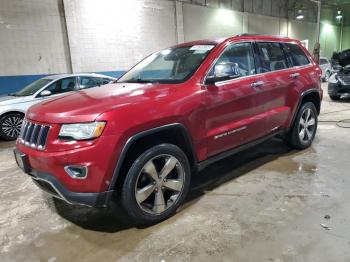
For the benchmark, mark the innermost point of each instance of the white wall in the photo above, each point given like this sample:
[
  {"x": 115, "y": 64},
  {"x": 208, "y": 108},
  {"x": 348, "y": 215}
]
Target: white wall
[
  {"x": 110, "y": 35},
  {"x": 329, "y": 39},
  {"x": 32, "y": 38},
  {"x": 202, "y": 22},
  {"x": 266, "y": 25},
  {"x": 346, "y": 38}
]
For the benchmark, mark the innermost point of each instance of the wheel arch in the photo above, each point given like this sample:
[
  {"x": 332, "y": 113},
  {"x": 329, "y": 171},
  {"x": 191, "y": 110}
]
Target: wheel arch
[
  {"x": 311, "y": 95},
  {"x": 12, "y": 112},
  {"x": 175, "y": 133}
]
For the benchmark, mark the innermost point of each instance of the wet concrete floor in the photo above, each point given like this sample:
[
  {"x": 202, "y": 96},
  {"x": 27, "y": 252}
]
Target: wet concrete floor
[{"x": 264, "y": 204}]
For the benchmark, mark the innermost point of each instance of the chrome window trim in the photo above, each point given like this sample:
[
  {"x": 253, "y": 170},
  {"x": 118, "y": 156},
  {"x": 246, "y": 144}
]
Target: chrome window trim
[{"x": 219, "y": 83}]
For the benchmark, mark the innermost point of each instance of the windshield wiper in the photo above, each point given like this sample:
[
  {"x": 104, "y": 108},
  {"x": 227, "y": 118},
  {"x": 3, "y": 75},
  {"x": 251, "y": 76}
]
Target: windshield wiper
[
  {"x": 139, "y": 80},
  {"x": 12, "y": 94}
]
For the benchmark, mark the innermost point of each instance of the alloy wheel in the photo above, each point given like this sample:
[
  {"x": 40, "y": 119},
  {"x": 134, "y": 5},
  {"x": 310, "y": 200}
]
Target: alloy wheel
[
  {"x": 307, "y": 125},
  {"x": 11, "y": 126},
  {"x": 159, "y": 184}
]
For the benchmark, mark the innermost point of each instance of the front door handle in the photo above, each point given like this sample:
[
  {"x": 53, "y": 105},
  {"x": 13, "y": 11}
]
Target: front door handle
[
  {"x": 295, "y": 75},
  {"x": 257, "y": 84}
]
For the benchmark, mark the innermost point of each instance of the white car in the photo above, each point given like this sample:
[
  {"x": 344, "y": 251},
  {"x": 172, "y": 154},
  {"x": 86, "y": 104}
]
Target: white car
[
  {"x": 14, "y": 105},
  {"x": 326, "y": 68}
]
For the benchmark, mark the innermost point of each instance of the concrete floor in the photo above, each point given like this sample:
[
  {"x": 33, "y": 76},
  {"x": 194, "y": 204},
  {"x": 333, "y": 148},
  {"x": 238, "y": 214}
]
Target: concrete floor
[{"x": 265, "y": 204}]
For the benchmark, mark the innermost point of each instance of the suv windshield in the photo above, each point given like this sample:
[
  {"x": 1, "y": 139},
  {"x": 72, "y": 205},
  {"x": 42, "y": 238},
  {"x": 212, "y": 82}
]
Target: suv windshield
[
  {"x": 173, "y": 65},
  {"x": 32, "y": 88}
]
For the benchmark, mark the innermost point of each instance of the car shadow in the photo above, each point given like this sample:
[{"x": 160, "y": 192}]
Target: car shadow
[
  {"x": 114, "y": 219},
  {"x": 343, "y": 99}
]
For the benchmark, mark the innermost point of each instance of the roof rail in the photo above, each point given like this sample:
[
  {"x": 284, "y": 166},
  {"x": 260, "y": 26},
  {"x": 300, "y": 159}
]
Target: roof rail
[{"x": 253, "y": 34}]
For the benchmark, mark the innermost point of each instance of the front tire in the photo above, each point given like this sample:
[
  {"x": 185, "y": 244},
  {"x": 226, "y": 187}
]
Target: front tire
[
  {"x": 304, "y": 127},
  {"x": 156, "y": 184},
  {"x": 334, "y": 98},
  {"x": 10, "y": 126}
]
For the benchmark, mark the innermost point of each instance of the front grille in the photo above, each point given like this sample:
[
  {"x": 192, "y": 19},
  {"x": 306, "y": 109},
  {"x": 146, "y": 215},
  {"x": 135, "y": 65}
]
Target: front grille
[{"x": 34, "y": 135}]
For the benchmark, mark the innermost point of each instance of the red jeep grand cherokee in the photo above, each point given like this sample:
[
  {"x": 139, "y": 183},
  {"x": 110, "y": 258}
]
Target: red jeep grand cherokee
[{"x": 177, "y": 111}]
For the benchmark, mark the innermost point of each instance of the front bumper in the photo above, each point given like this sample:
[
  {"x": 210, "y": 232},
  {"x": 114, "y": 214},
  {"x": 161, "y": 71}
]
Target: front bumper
[
  {"x": 48, "y": 170},
  {"x": 335, "y": 89},
  {"x": 100, "y": 159},
  {"x": 53, "y": 187}
]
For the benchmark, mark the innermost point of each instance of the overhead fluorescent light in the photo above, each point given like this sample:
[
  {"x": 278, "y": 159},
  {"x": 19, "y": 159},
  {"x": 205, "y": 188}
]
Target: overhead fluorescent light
[
  {"x": 339, "y": 15},
  {"x": 299, "y": 15}
]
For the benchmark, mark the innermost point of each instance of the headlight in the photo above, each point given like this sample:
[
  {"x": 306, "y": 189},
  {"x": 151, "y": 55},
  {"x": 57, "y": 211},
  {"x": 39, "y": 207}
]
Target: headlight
[
  {"x": 333, "y": 79},
  {"x": 82, "y": 131}
]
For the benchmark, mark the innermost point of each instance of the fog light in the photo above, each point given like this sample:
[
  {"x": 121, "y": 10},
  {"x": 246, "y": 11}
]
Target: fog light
[{"x": 77, "y": 172}]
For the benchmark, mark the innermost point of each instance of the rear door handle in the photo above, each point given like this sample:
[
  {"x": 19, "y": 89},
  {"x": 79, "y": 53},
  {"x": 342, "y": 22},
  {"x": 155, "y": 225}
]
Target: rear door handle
[
  {"x": 257, "y": 84},
  {"x": 295, "y": 75}
]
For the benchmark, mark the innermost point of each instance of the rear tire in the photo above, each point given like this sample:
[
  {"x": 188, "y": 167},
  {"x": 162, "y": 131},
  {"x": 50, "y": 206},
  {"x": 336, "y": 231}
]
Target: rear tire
[
  {"x": 10, "y": 126},
  {"x": 335, "y": 98},
  {"x": 156, "y": 184},
  {"x": 304, "y": 127}
]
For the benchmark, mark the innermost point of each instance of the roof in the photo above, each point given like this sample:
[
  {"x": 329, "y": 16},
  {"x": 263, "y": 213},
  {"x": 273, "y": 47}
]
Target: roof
[{"x": 59, "y": 76}]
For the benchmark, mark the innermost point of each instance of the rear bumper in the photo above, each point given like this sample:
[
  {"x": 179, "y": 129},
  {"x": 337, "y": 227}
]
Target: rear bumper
[{"x": 53, "y": 187}]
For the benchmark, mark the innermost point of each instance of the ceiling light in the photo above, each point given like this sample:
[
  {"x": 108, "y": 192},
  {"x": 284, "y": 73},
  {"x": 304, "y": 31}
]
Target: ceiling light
[
  {"x": 339, "y": 15},
  {"x": 299, "y": 15}
]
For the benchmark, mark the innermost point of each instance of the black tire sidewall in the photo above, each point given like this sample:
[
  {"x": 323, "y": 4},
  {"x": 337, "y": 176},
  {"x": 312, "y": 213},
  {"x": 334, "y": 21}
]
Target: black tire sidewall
[
  {"x": 128, "y": 199},
  {"x": 2, "y": 119},
  {"x": 295, "y": 140},
  {"x": 335, "y": 98}
]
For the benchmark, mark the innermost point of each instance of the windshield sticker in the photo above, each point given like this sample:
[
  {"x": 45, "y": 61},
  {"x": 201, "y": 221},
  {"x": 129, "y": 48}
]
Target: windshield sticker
[{"x": 201, "y": 48}]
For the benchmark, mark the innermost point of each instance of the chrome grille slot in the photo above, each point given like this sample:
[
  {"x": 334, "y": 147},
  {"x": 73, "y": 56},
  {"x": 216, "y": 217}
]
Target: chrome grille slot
[
  {"x": 34, "y": 135},
  {"x": 29, "y": 134}
]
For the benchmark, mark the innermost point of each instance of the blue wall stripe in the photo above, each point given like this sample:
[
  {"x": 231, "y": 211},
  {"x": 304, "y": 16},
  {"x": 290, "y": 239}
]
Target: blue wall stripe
[{"x": 9, "y": 84}]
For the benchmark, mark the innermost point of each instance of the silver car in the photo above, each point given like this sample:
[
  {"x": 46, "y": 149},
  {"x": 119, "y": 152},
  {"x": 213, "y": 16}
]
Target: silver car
[
  {"x": 14, "y": 105},
  {"x": 326, "y": 67}
]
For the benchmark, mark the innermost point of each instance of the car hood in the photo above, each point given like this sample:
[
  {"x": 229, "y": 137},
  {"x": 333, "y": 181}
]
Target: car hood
[
  {"x": 10, "y": 100},
  {"x": 342, "y": 57},
  {"x": 87, "y": 105}
]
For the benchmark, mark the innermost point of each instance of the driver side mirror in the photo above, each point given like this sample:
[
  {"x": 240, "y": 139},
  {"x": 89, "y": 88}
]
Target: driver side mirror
[
  {"x": 223, "y": 71},
  {"x": 45, "y": 93}
]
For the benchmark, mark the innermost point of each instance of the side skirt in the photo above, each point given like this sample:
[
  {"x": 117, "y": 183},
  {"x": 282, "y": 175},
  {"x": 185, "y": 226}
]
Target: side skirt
[{"x": 211, "y": 160}]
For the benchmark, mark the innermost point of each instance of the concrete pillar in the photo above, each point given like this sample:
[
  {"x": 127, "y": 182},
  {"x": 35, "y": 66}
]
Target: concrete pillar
[
  {"x": 245, "y": 27},
  {"x": 179, "y": 22}
]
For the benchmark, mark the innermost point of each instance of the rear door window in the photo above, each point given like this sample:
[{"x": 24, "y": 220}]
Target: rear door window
[
  {"x": 87, "y": 82},
  {"x": 270, "y": 57},
  {"x": 102, "y": 81},
  {"x": 296, "y": 55},
  {"x": 62, "y": 86}
]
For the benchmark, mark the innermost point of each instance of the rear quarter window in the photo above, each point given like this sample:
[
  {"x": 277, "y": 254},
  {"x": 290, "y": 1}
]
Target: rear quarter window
[{"x": 296, "y": 55}]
